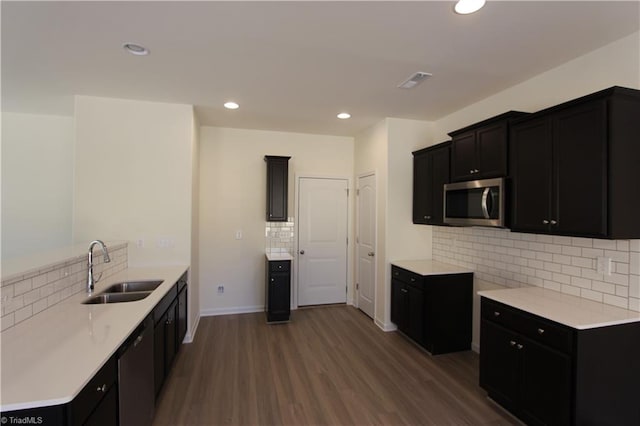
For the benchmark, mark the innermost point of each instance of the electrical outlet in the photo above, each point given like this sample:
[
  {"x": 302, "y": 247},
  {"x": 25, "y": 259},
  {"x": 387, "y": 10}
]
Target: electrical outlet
[
  {"x": 239, "y": 234},
  {"x": 140, "y": 243},
  {"x": 220, "y": 289}
]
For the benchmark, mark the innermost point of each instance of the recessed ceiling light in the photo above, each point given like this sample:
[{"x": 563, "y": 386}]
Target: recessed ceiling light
[
  {"x": 465, "y": 7},
  {"x": 135, "y": 49},
  {"x": 344, "y": 115},
  {"x": 231, "y": 105}
]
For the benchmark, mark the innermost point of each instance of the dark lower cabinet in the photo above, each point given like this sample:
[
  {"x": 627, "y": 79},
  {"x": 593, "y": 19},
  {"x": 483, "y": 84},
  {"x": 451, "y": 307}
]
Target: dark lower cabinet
[
  {"x": 278, "y": 290},
  {"x": 170, "y": 325},
  {"x": 550, "y": 374},
  {"x": 433, "y": 310},
  {"x": 106, "y": 413}
]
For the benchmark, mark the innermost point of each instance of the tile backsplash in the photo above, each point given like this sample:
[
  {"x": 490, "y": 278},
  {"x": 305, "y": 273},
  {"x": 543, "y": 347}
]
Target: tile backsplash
[
  {"x": 564, "y": 264},
  {"x": 279, "y": 236},
  {"x": 25, "y": 295}
]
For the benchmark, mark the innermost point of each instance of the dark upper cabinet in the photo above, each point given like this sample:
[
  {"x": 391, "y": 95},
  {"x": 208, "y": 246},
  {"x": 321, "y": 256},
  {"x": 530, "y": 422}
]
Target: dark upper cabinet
[
  {"x": 430, "y": 173},
  {"x": 479, "y": 151},
  {"x": 572, "y": 167},
  {"x": 277, "y": 188}
]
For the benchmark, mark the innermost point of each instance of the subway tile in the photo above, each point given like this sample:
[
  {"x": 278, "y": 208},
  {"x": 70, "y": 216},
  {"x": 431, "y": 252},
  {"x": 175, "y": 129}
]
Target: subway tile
[
  {"x": 23, "y": 313},
  {"x": 591, "y": 274},
  {"x": 553, "y": 267},
  {"x": 535, "y": 264},
  {"x": 634, "y": 263},
  {"x": 39, "y": 306},
  {"x": 634, "y": 245},
  {"x": 604, "y": 287},
  {"x": 580, "y": 282},
  {"x": 545, "y": 275},
  {"x": 620, "y": 302},
  {"x": 529, "y": 237},
  {"x": 528, "y": 271},
  {"x": 552, "y": 285},
  {"x": 535, "y": 281},
  {"x": 568, "y": 289},
  {"x": 552, "y": 248},
  {"x": 581, "y": 242},
  {"x": 7, "y": 321},
  {"x": 547, "y": 239},
  {"x": 605, "y": 244},
  {"x": 536, "y": 246},
  {"x": 617, "y": 279},
  {"x": 621, "y": 268},
  {"x": 593, "y": 253},
  {"x": 634, "y": 304},
  {"x": 7, "y": 292},
  {"x": 561, "y": 278},
  {"x": 591, "y": 295},
  {"x": 547, "y": 257},
  {"x": 634, "y": 286},
  {"x": 617, "y": 256},
  {"x": 571, "y": 270},
  {"x": 571, "y": 251},
  {"x": 521, "y": 245},
  {"x": 22, "y": 287},
  {"x": 39, "y": 280},
  {"x": 528, "y": 254},
  {"x": 31, "y": 296},
  {"x": 560, "y": 258},
  {"x": 622, "y": 245},
  {"x": 563, "y": 241},
  {"x": 622, "y": 291},
  {"x": 582, "y": 262}
]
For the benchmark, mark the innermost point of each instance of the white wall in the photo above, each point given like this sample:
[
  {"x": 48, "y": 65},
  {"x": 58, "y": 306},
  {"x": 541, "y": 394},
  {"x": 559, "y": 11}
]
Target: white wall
[
  {"x": 194, "y": 276},
  {"x": 37, "y": 183},
  {"x": 617, "y": 63},
  {"x": 133, "y": 176},
  {"x": 371, "y": 156},
  {"x": 233, "y": 197}
]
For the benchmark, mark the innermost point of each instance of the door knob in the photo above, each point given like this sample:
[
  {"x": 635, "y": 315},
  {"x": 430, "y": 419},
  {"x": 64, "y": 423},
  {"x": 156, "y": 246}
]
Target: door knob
[
  {"x": 301, "y": 251},
  {"x": 370, "y": 254}
]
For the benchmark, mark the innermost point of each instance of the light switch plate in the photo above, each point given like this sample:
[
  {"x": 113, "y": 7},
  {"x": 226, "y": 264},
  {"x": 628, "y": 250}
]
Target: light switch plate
[{"x": 603, "y": 265}]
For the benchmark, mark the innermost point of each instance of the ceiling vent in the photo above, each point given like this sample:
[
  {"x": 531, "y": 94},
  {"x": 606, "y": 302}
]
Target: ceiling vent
[{"x": 414, "y": 80}]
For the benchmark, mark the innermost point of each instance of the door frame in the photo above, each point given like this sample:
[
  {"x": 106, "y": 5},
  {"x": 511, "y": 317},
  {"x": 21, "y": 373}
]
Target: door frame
[
  {"x": 350, "y": 236},
  {"x": 355, "y": 246}
]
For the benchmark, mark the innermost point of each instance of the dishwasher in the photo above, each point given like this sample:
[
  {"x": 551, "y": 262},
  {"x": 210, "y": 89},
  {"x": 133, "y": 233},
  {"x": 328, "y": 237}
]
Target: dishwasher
[{"x": 135, "y": 377}]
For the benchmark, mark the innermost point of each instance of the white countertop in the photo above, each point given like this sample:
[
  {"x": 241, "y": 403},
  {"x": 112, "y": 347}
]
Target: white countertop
[
  {"x": 429, "y": 267},
  {"x": 49, "y": 358},
  {"x": 278, "y": 256},
  {"x": 563, "y": 308}
]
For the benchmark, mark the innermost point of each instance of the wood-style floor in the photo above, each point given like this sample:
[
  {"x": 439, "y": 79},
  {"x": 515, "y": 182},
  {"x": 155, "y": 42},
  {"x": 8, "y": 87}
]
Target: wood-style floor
[{"x": 328, "y": 366}]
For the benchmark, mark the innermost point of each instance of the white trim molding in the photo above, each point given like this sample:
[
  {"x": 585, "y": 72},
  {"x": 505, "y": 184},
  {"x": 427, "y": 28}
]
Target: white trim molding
[{"x": 230, "y": 311}]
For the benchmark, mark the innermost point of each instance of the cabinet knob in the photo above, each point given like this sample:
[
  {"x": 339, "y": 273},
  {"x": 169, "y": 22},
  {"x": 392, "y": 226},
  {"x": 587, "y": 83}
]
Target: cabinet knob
[
  {"x": 396, "y": 273},
  {"x": 370, "y": 254},
  {"x": 553, "y": 222},
  {"x": 471, "y": 171},
  {"x": 428, "y": 217},
  {"x": 301, "y": 251},
  {"x": 279, "y": 266},
  {"x": 102, "y": 388},
  {"x": 404, "y": 290},
  {"x": 512, "y": 343},
  {"x": 541, "y": 331},
  {"x": 520, "y": 346},
  {"x": 496, "y": 313},
  {"x": 475, "y": 170},
  {"x": 545, "y": 221},
  {"x": 413, "y": 280},
  {"x": 273, "y": 279}
]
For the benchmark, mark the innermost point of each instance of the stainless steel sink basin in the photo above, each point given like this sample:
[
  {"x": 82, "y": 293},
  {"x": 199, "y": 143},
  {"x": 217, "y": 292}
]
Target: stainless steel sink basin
[
  {"x": 102, "y": 298},
  {"x": 133, "y": 286}
]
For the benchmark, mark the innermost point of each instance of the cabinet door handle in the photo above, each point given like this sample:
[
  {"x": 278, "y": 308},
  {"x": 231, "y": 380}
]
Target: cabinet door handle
[
  {"x": 102, "y": 388},
  {"x": 427, "y": 217},
  {"x": 396, "y": 273},
  {"x": 541, "y": 331},
  {"x": 545, "y": 221},
  {"x": 471, "y": 171},
  {"x": 496, "y": 313},
  {"x": 301, "y": 251},
  {"x": 512, "y": 343},
  {"x": 413, "y": 280},
  {"x": 370, "y": 254},
  {"x": 404, "y": 290},
  {"x": 476, "y": 171},
  {"x": 553, "y": 222},
  {"x": 520, "y": 346}
]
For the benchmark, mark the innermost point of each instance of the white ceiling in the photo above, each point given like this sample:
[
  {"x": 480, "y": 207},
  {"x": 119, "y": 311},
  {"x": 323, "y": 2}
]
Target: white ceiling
[{"x": 293, "y": 66}]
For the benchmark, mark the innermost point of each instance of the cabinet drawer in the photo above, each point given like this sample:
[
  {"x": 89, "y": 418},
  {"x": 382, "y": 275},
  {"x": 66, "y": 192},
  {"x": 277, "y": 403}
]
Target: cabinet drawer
[
  {"x": 279, "y": 266},
  {"x": 500, "y": 314},
  {"x": 89, "y": 397},
  {"x": 547, "y": 332},
  {"x": 405, "y": 276}
]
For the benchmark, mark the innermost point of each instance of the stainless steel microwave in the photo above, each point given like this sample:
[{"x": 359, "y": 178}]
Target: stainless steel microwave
[{"x": 475, "y": 203}]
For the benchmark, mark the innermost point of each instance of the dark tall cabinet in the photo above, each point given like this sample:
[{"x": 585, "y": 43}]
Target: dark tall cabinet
[
  {"x": 430, "y": 173},
  {"x": 575, "y": 167},
  {"x": 278, "y": 290},
  {"x": 277, "y": 188}
]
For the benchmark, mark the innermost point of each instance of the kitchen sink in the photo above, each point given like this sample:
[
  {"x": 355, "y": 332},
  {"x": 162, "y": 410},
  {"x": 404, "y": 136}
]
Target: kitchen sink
[
  {"x": 133, "y": 286},
  {"x": 116, "y": 297}
]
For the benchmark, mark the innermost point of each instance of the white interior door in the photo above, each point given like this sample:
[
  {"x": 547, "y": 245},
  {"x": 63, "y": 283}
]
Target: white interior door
[
  {"x": 322, "y": 241},
  {"x": 366, "y": 243}
]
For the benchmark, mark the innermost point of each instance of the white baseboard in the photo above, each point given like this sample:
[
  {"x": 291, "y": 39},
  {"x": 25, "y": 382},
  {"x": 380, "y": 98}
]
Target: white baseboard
[
  {"x": 188, "y": 338},
  {"x": 230, "y": 311},
  {"x": 386, "y": 327}
]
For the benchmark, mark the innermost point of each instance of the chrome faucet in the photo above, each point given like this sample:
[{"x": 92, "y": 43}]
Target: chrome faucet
[{"x": 90, "y": 280}]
